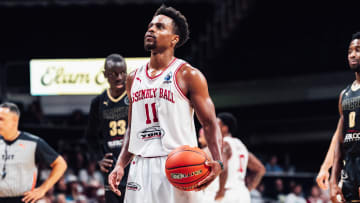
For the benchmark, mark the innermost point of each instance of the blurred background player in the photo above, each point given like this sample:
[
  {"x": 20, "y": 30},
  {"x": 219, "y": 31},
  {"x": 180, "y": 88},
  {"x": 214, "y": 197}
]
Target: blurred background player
[
  {"x": 20, "y": 152},
  {"x": 347, "y": 148},
  {"x": 165, "y": 93},
  {"x": 108, "y": 122},
  {"x": 237, "y": 159}
]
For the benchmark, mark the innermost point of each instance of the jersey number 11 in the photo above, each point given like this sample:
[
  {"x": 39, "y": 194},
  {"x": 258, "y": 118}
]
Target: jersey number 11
[{"x": 153, "y": 108}]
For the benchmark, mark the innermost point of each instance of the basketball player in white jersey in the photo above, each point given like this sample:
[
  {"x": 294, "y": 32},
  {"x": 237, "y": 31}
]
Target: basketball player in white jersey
[
  {"x": 164, "y": 95},
  {"x": 237, "y": 159}
]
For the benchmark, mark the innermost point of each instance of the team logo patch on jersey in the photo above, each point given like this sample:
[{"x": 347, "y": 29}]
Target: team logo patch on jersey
[
  {"x": 151, "y": 133},
  {"x": 167, "y": 78},
  {"x": 126, "y": 100},
  {"x": 133, "y": 186}
]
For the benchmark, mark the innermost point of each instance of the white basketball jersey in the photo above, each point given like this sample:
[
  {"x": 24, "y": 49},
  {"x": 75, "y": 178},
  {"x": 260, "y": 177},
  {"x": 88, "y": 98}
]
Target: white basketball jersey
[
  {"x": 237, "y": 163},
  {"x": 162, "y": 118}
]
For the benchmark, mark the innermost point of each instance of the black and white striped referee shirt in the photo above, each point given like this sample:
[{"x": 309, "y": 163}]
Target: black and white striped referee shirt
[{"x": 18, "y": 159}]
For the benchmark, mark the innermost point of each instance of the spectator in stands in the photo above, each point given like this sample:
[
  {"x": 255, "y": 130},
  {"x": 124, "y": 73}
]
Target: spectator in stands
[
  {"x": 79, "y": 162},
  {"x": 256, "y": 194},
  {"x": 60, "y": 198},
  {"x": 35, "y": 114},
  {"x": 60, "y": 189},
  {"x": 296, "y": 195},
  {"x": 316, "y": 196},
  {"x": 77, "y": 118},
  {"x": 49, "y": 197},
  {"x": 73, "y": 189},
  {"x": 272, "y": 165},
  {"x": 101, "y": 195},
  {"x": 277, "y": 191},
  {"x": 91, "y": 191},
  {"x": 86, "y": 176}
]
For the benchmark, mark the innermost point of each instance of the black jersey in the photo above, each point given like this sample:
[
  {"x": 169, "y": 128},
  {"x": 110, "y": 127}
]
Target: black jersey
[
  {"x": 108, "y": 121},
  {"x": 351, "y": 110}
]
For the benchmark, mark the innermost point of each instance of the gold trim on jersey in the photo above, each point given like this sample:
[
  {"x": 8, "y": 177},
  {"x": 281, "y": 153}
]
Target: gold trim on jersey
[{"x": 113, "y": 99}]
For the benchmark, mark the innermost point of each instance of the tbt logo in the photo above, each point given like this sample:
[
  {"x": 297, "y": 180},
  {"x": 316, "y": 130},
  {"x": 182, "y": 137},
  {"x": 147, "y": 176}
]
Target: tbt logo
[{"x": 151, "y": 133}]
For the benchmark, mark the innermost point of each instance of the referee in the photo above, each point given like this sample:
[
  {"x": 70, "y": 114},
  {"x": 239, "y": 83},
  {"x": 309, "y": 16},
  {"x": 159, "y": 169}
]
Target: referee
[{"x": 19, "y": 154}]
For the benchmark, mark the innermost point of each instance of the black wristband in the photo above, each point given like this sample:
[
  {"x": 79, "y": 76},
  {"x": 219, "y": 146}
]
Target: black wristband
[{"x": 221, "y": 164}]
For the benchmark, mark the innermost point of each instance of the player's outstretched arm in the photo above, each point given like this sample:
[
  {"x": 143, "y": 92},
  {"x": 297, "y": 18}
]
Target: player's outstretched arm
[
  {"x": 255, "y": 165},
  {"x": 58, "y": 168},
  {"x": 193, "y": 84},
  {"x": 125, "y": 156},
  {"x": 322, "y": 178}
]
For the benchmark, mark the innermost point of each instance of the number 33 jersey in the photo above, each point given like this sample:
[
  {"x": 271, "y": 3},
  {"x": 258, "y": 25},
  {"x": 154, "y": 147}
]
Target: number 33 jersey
[
  {"x": 350, "y": 104},
  {"x": 162, "y": 117}
]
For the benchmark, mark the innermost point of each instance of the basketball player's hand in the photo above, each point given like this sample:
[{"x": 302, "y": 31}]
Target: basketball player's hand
[
  {"x": 33, "y": 195},
  {"x": 215, "y": 170},
  {"x": 336, "y": 194},
  {"x": 115, "y": 178},
  {"x": 322, "y": 179},
  {"x": 106, "y": 163}
]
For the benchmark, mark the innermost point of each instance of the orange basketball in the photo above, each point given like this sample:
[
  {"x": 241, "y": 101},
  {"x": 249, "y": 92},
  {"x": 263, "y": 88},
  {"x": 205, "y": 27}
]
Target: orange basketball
[{"x": 185, "y": 167}]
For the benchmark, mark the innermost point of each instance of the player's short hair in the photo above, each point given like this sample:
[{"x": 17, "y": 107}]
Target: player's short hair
[
  {"x": 116, "y": 59},
  {"x": 181, "y": 26},
  {"x": 229, "y": 120},
  {"x": 11, "y": 106},
  {"x": 356, "y": 35}
]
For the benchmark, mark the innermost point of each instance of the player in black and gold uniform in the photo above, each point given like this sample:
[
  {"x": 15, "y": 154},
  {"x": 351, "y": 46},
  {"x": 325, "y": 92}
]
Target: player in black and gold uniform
[
  {"x": 347, "y": 150},
  {"x": 108, "y": 122}
]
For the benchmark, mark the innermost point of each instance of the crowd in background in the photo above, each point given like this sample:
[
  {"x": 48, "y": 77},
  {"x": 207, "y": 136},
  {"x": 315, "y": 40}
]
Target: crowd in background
[{"x": 83, "y": 181}]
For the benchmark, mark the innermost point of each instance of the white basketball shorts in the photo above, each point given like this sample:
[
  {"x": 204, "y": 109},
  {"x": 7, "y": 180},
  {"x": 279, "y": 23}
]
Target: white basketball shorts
[
  {"x": 147, "y": 183},
  {"x": 236, "y": 195}
]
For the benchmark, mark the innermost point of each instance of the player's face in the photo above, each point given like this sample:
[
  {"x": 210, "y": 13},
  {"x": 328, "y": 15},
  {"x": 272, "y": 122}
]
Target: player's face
[
  {"x": 115, "y": 72},
  {"x": 354, "y": 55},
  {"x": 8, "y": 123},
  {"x": 223, "y": 128},
  {"x": 160, "y": 34}
]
